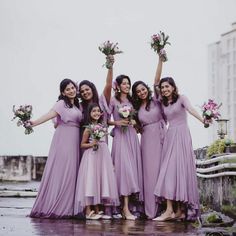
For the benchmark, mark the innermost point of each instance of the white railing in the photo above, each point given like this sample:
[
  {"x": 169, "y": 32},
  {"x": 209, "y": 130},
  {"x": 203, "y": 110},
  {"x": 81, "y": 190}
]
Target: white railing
[{"x": 223, "y": 166}]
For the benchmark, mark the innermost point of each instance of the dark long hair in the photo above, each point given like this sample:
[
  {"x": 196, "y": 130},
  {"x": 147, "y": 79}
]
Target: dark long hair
[
  {"x": 84, "y": 103},
  {"x": 175, "y": 94},
  {"x": 87, "y": 117},
  {"x": 137, "y": 102},
  {"x": 67, "y": 101},
  {"x": 119, "y": 80}
]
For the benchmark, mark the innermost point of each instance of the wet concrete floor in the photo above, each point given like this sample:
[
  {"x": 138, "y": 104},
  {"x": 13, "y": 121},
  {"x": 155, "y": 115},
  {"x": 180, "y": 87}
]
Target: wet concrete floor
[{"x": 14, "y": 221}]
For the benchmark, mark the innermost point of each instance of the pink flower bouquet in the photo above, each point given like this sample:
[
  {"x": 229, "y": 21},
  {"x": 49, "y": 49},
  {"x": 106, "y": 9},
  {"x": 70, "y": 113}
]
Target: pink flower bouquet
[
  {"x": 24, "y": 113},
  {"x": 126, "y": 112},
  {"x": 109, "y": 48},
  {"x": 158, "y": 42},
  {"x": 97, "y": 131},
  {"x": 210, "y": 111}
]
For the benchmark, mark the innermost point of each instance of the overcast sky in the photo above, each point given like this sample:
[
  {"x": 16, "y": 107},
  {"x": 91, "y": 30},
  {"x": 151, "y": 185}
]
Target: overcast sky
[{"x": 44, "y": 41}]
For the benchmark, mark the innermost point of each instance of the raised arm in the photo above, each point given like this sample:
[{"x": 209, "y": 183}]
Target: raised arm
[
  {"x": 108, "y": 85},
  {"x": 158, "y": 76},
  {"x": 158, "y": 72},
  {"x": 48, "y": 116}
]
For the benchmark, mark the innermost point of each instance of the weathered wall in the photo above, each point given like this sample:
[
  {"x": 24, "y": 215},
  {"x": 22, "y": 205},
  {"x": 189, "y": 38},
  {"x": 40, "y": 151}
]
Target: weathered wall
[
  {"x": 21, "y": 168},
  {"x": 218, "y": 193}
]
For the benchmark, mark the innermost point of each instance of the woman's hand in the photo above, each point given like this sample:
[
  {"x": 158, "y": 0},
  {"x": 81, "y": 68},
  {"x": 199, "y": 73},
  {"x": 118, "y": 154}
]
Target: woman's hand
[
  {"x": 94, "y": 143},
  {"x": 32, "y": 123},
  {"x": 122, "y": 122},
  {"x": 110, "y": 59},
  {"x": 132, "y": 122}
]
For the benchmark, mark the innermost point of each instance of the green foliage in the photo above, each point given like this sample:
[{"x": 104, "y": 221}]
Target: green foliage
[
  {"x": 218, "y": 147},
  {"x": 214, "y": 218}
]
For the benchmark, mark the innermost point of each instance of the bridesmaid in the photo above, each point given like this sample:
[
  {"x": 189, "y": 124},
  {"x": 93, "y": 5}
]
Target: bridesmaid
[
  {"x": 177, "y": 181},
  {"x": 152, "y": 125},
  {"x": 56, "y": 195},
  {"x": 88, "y": 93},
  {"x": 125, "y": 153}
]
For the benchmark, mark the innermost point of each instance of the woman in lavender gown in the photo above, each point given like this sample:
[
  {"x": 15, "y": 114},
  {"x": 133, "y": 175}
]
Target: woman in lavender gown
[
  {"x": 56, "y": 195},
  {"x": 126, "y": 153},
  {"x": 177, "y": 181},
  {"x": 152, "y": 134},
  {"x": 88, "y": 93},
  {"x": 96, "y": 177}
]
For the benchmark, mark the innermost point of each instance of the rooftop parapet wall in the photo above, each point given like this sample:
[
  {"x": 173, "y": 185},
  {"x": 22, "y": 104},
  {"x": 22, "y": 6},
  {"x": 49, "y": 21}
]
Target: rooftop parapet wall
[{"x": 21, "y": 168}]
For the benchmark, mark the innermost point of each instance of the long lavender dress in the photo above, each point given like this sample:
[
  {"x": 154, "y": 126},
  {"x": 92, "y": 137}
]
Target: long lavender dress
[
  {"x": 151, "y": 148},
  {"x": 96, "y": 179},
  {"x": 177, "y": 179},
  {"x": 126, "y": 155},
  {"x": 56, "y": 195}
]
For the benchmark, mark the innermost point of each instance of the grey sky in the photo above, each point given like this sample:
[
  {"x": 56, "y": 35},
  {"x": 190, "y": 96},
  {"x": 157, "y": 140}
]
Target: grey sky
[{"x": 42, "y": 42}]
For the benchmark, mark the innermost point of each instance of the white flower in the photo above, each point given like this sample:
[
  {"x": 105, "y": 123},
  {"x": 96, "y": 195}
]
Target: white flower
[{"x": 208, "y": 112}]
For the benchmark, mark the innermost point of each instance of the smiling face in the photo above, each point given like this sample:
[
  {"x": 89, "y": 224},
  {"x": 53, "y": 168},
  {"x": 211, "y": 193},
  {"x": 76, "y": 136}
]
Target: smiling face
[
  {"x": 95, "y": 113},
  {"x": 86, "y": 92},
  {"x": 167, "y": 90},
  {"x": 124, "y": 86},
  {"x": 70, "y": 91},
  {"x": 142, "y": 92}
]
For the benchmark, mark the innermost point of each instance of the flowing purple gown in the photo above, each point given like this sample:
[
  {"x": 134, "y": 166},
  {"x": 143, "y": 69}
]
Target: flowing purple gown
[
  {"x": 126, "y": 155},
  {"x": 96, "y": 179},
  {"x": 151, "y": 148},
  {"x": 177, "y": 179},
  {"x": 56, "y": 195}
]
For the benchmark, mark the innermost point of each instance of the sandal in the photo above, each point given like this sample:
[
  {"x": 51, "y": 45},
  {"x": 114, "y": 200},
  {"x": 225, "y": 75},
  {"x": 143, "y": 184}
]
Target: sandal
[
  {"x": 164, "y": 217},
  {"x": 92, "y": 216},
  {"x": 103, "y": 216}
]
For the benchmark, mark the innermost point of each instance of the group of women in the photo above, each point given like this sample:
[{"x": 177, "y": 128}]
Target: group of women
[{"x": 159, "y": 171}]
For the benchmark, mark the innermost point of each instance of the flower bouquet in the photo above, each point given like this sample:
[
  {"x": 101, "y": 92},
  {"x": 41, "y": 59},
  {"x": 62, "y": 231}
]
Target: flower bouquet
[
  {"x": 108, "y": 48},
  {"x": 158, "y": 42},
  {"x": 97, "y": 131},
  {"x": 24, "y": 113},
  {"x": 210, "y": 111},
  {"x": 126, "y": 112}
]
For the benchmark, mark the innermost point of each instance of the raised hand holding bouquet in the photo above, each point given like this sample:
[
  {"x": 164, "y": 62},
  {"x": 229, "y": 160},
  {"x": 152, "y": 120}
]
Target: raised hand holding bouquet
[
  {"x": 126, "y": 112},
  {"x": 24, "y": 113},
  {"x": 158, "y": 42},
  {"x": 97, "y": 131},
  {"x": 109, "y": 49},
  {"x": 210, "y": 111}
]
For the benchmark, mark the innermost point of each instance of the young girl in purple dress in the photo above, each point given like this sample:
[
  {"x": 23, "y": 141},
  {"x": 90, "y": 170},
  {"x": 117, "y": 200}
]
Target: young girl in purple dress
[
  {"x": 56, "y": 195},
  {"x": 126, "y": 153},
  {"x": 177, "y": 181},
  {"x": 96, "y": 182},
  {"x": 153, "y": 129}
]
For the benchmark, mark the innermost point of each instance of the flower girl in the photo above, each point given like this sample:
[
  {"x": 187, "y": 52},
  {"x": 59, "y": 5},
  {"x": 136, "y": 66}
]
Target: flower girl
[{"x": 96, "y": 182}]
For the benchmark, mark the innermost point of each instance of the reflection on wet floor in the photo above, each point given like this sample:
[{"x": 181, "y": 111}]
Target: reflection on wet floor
[
  {"x": 14, "y": 221},
  {"x": 110, "y": 228}
]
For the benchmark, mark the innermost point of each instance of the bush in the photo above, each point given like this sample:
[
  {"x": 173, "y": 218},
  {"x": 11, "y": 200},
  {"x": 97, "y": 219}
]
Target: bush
[{"x": 218, "y": 147}]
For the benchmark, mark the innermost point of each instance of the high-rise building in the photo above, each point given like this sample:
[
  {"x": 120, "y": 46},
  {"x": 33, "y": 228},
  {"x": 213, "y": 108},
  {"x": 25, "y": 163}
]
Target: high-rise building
[{"x": 222, "y": 79}]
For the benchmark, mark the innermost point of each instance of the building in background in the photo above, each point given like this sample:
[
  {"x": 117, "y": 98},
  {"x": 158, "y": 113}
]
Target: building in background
[{"x": 222, "y": 79}]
